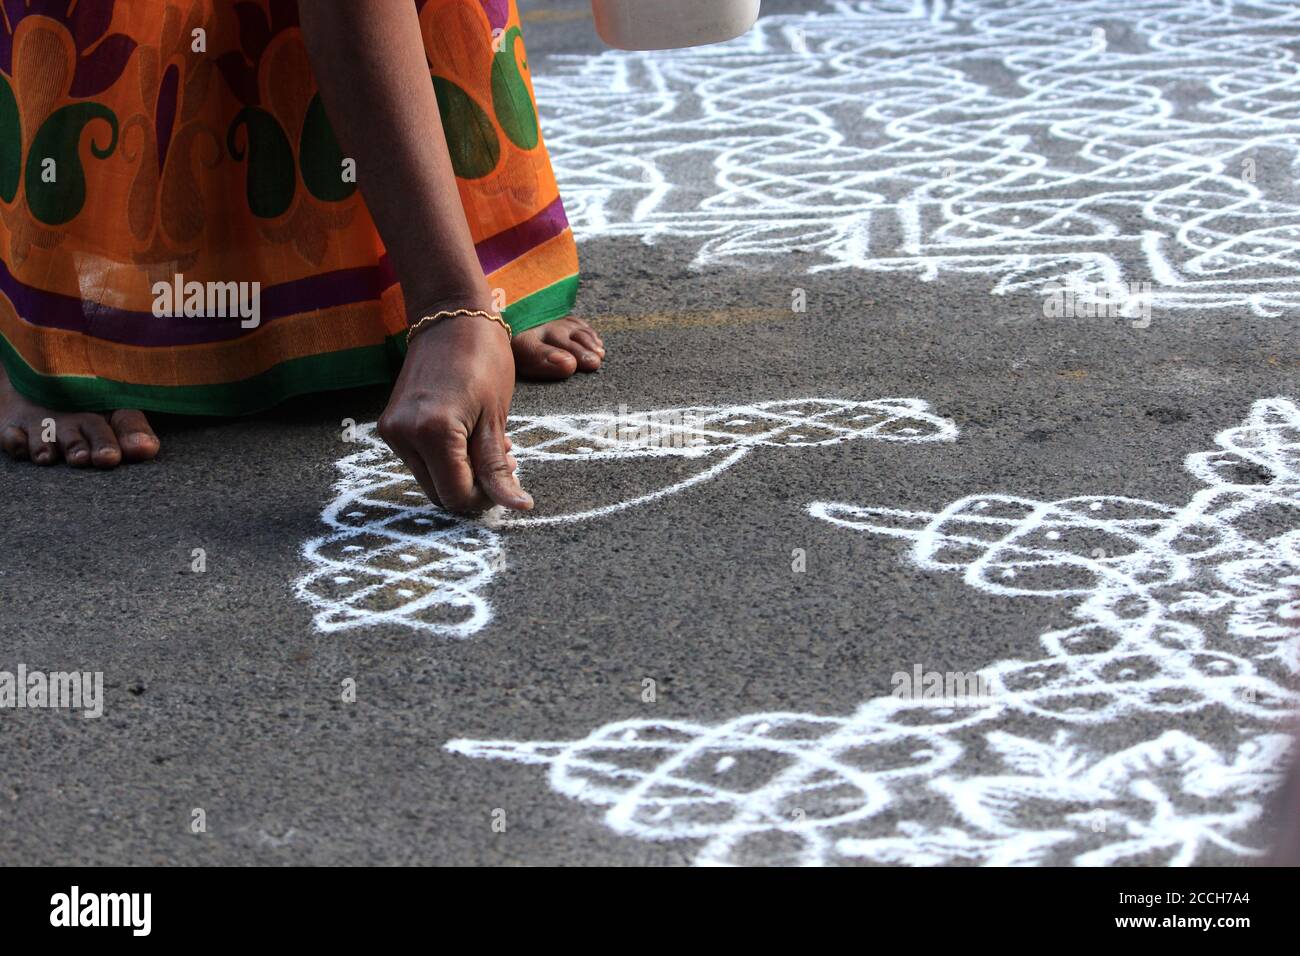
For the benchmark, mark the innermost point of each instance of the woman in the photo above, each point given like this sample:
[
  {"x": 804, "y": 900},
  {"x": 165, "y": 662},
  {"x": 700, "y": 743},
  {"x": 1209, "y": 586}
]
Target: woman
[{"x": 351, "y": 168}]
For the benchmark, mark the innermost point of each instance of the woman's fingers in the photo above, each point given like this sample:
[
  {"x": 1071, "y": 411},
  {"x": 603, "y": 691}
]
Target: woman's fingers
[
  {"x": 443, "y": 446},
  {"x": 448, "y": 410},
  {"x": 421, "y": 473},
  {"x": 492, "y": 468},
  {"x": 436, "y": 449}
]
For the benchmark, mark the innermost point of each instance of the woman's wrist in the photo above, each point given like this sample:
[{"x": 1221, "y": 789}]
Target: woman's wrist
[
  {"x": 444, "y": 300},
  {"x": 446, "y": 315}
]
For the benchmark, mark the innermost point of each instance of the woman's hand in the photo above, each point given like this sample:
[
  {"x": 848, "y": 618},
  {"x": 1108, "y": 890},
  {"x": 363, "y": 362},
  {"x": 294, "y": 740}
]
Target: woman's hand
[{"x": 446, "y": 417}]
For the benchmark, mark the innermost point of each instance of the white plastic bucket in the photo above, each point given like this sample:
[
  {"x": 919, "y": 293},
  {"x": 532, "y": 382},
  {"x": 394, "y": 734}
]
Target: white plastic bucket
[{"x": 671, "y": 24}]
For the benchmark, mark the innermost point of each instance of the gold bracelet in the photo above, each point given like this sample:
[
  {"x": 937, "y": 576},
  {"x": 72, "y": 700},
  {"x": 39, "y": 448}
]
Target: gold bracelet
[{"x": 428, "y": 320}]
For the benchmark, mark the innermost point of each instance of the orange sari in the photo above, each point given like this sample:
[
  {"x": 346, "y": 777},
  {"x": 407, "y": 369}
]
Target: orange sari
[{"x": 148, "y": 146}]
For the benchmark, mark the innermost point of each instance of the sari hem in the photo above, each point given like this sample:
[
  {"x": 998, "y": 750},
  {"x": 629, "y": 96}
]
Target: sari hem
[
  {"x": 350, "y": 368},
  {"x": 329, "y": 371}
]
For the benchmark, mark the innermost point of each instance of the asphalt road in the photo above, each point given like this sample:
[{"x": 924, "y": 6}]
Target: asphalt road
[{"x": 222, "y": 694}]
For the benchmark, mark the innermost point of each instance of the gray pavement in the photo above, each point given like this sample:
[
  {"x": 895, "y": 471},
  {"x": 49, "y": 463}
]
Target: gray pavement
[{"x": 1152, "y": 733}]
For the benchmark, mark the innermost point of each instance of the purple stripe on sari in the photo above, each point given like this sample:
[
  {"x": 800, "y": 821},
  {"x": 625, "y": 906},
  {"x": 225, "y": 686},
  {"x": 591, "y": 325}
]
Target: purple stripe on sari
[
  {"x": 498, "y": 12},
  {"x": 505, "y": 247},
  {"x": 53, "y": 310},
  {"x": 88, "y": 23}
]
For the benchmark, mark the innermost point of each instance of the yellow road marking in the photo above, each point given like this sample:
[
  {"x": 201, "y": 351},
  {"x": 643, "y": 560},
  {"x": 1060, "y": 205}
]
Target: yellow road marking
[
  {"x": 685, "y": 320},
  {"x": 556, "y": 16}
]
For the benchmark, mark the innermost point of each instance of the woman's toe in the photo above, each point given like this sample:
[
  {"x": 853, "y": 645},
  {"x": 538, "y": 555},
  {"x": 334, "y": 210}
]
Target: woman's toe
[
  {"x": 40, "y": 451},
  {"x": 73, "y": 445},
  {"x": 587, "y": 339},
  {"x": 586, "y": 356},
  {"x": 537, "y": 358},
  {"x": 14, "y": 442},
  {"x": 590, "y": 334},
  {"x": 134, "y": 434},
  {"x": 104, "y": 449}
]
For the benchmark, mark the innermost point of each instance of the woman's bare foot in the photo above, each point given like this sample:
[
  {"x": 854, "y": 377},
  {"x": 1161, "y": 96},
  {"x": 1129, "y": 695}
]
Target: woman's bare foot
[
  {"x": 79, "y": 438},
  {"x": 558, "y": 349}
]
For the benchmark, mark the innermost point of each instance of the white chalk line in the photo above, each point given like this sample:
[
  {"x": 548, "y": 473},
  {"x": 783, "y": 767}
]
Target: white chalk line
[
  {"x": 516, "y": 520},
  {"x": 390, "y": 557},
  {"x": 1177, "y": 610},
  {"x": 868, "y": 134}
]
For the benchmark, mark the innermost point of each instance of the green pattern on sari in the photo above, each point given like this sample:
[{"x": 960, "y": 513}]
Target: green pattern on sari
[
  {"x": 272, "y": 177},
  {"x": 510, "y": 98},
  {"x": 11, "y": 142},
  {"x": 56, "y": 182},
  {"x": 321, "y": 157},
  {"x": 472, "y": 141}
]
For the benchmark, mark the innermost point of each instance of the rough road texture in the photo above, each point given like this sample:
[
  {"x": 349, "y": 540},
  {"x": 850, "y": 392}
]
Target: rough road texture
[{"x": 1036, "y": 421}]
